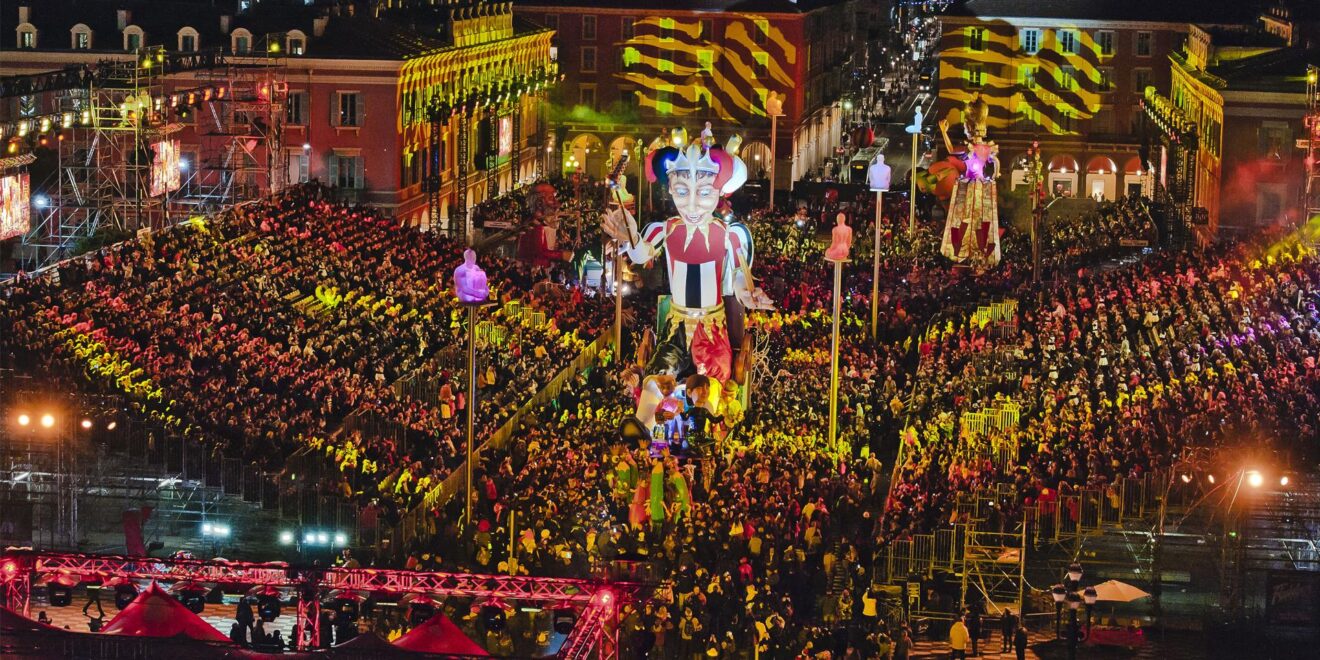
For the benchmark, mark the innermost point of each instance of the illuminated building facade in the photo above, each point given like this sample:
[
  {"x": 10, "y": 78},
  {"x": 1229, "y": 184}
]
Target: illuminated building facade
[
  {"x": 364, "y": 86},
  {"x": 634, "y": 69},
  {"x": 1245, "y": 90},
  {"x": 1070, "y": 74}
]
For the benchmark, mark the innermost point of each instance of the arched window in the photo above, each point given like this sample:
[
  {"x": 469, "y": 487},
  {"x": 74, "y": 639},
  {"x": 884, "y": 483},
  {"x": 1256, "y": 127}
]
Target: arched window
[
  {"x": 133, "y": 37},
  {"x": 80, "y": 37},
  {"x": 187, "y": 40},
  {"x": 296, "y": 42},
  {"x": 27, "y": 35},
  {"x": 240, "y": 41}
]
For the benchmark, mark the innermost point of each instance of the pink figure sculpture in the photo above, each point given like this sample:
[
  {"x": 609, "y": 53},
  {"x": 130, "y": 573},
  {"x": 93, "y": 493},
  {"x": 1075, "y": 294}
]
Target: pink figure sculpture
[
  {"x": 842, "y": 240},
  {"x": 470, "y": 280}
]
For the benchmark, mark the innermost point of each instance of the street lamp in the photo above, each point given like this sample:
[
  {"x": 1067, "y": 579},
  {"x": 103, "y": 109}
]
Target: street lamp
[
  {"x": 47, "y": 420},
  {"x": 1090, "y": 595},
  {"x": 1058, "y": 593},
  {"x": 1074, "y": 633}
]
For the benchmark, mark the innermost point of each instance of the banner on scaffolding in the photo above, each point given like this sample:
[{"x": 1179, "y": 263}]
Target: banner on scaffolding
[
  {"x": 15, "y": 206},
  {"x": 164, "y": 168}
]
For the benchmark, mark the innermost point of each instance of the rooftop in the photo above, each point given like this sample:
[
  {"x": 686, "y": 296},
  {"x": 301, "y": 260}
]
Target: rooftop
[
  {"x": 1282, "y": 71},
  {"x": 766, "y": 6},
  {"x": 397, "y": 34},
  {"x": 1155, "y": 11}
]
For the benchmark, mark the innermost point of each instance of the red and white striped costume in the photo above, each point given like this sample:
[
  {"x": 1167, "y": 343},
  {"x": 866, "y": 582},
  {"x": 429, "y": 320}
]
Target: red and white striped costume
[{"x": 705, "y": 263}]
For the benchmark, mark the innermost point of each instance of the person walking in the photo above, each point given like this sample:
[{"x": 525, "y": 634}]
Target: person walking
[
  {"x": 974, "y": 629},
  {"x": 1020, "y": 642},
  {"x": 1008, "y": 625},
  {"x": 958, "y": 639},
  {"x": 903, "y": 643}
]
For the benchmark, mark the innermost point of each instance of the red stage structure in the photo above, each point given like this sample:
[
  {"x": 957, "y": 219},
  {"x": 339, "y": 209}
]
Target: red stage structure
[{"x": 594, "y": 635}]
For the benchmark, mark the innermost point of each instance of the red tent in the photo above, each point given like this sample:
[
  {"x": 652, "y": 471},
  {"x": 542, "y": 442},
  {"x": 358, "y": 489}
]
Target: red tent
[
  {"x": 439, "y": 635},
  {"x": 155, "y": 613}
]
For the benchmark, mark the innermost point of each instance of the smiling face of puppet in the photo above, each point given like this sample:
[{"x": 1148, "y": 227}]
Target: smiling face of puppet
[{"x": 696, "y": 199}]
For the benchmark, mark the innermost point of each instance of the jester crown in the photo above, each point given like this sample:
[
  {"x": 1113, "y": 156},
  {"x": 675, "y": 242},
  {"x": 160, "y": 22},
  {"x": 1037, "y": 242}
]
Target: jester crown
[{"x": 701, "y": 156}]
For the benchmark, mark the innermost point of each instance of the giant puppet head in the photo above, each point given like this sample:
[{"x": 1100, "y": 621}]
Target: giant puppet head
[
  {"x": 698, "y": 177},
  {"x": 543, "y": 204}
]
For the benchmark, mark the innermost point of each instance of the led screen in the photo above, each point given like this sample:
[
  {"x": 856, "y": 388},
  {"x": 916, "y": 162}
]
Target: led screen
[
  {"x": 15, "y": 206},
  {"x": 506, "y": 136},
  {"x": 164, "y": 167}
]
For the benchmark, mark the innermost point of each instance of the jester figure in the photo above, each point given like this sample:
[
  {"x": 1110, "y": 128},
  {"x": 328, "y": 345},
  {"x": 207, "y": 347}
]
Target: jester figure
[
  {"x": 971, "y": 230},
  {"x": 707, "y": 259}
]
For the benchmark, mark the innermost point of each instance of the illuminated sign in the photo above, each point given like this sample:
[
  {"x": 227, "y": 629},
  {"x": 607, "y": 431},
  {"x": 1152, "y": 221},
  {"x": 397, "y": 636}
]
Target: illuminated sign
[
  {"x": 506, "y": 136},
  {"x": 164, "y": 168}
]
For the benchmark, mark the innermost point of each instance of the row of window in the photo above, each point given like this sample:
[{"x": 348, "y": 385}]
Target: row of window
[
  {"x": 1030, "y": 41},
  {"x": 665, "y": 63},
  {"x": 240, "y": 40},
  {"x": 1066, "y": 77},
  {"x": 347, "y": 108},
  {"x": 628, "y": 27}
]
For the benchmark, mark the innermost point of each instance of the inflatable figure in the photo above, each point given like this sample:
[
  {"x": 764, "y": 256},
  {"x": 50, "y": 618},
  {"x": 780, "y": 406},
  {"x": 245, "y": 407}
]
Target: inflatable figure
[
  {"x": 971, "y": 230},
  {"x": 842, "y": 240},
  {"x": 470, "y": 280}
]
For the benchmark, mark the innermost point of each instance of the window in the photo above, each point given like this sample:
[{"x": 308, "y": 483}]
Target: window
[
  {"x": 587, "y": 96},
  {"x": 762, "y": 65},
  {"x": 666, "y": 29},
  {"x": 82, "y": 37},
  {"x": 1030, "y": 40},
  {"x": 348, "y": 109},
  {"x": 1145, "y": 42},
  {"x": 241, "y": 41},
  {"x": 1068, "y": 42},
  {"x": 628, "y": 97},
  {"x": 975, "y": 75},
  {"x": 1067, "y": 77},
  {"x": 706, "y": 60},
  {"x": 27, "y": 36},
  {"x": 188, "y": 40},
  {"x": 297, "y": 163},
  {"x": 664, "y": 99},
  {"x": 346, "y": 171},
  {"x": 588, "y": 27},
  {"x": 1027, "y": 76},
  {"x": 707, "y": 29},
  {"x": 760, "y": 31},
  {"x": 666, "y": 63},
  {"x": 1275, "y": 139},
  {"x": 631, "y": 56},
  {"x": 976, "y": 38},
  {"x": 132, "y": 38},
  {"x": 588, "y": 59},
  {"x": 295, "y": 109},
  {"x": 1104, "y": 40},
  {"x": 629, "y": 28},
  {"x": 1105, "y": 82},
  {"x": 296, "y": 42},
  {"x": 1140, "y": 81}
]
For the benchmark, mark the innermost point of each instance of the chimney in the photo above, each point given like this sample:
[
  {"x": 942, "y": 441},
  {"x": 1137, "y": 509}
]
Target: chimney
[
  {"x": 24, "y": 13},
  {"x": 318, "y": 25},
  {"x": 122, "y": 18},
  {"x": 224, "y": 23}
]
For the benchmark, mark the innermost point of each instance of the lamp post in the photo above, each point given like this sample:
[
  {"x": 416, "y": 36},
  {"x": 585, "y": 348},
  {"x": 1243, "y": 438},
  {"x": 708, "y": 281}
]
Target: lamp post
[
  {"x": 1074, "y": 632},
  {"x": 472, "y": 308},
  {"x": 915, "y": 131},
  {"x": 834, "y": 352},
  {"x": 774, "y": 106},
  {"x": 1090, "y": 595},
  {"x": 1058, "y": 593}
]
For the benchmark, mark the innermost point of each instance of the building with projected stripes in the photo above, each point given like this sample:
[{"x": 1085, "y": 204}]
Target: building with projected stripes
[
  {"x": 634, "y": 69},
  {"x": 1071, "y": 74}
]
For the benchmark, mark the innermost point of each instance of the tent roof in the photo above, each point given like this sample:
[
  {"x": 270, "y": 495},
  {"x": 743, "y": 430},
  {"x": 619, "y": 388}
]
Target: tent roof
[
  {"x": 439, "y": 635},
  {"x": 14, "y": 623},
  {"x": 370, "y": 643},
  {"x": 155, "y": 613}
]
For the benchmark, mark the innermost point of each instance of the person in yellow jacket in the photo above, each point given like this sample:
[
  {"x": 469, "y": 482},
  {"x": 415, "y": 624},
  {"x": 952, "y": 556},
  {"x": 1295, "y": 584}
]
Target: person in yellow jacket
[{"x": 959, "y": 638}]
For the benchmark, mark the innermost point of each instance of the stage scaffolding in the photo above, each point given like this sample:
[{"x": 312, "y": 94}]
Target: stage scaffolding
[
  {"x": 1312, "y": 142},
  {"x": 109, "y": 118},
  {"x": 240, "y": 134}
]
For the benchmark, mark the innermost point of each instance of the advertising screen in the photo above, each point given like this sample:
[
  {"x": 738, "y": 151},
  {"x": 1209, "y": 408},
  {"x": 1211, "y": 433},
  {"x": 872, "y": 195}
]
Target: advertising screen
[
  {"x": 164, "y": 167},
  {"x": 506, "y": 136},
  {"x": 15, "y": 206}
]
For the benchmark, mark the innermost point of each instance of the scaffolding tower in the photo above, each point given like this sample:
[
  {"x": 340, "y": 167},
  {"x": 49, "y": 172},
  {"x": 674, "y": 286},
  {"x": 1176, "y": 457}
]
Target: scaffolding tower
[
  {"x": 240, "y": 131},
  {"x": 104, "y": 158}
]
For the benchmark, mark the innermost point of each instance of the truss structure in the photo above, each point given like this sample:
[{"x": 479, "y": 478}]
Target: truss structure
[
  {"x": 595, "y": 634},
  {"x": 240, "y": 135}
]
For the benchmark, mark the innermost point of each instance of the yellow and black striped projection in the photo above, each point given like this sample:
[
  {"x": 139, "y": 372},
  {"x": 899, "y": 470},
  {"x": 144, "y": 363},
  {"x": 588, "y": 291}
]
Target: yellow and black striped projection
[
  {"x": 678, "y": 70},
  {"x": 1051, "y": 90}
]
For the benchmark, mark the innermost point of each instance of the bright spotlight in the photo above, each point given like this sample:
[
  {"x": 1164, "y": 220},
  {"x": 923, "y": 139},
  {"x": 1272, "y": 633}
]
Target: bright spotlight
[
  {"x": 309, "y": 538},
  {"x": 1283, "y": 481},
  {"x": 286, "y": 537},
  {"x": 307, "y": 146},
  {"x": 87, "y": 423},
  {"x": 24, "y": 420},
  {"x": 1254, "y": 479},
  {"x": 183, "y": 165},
  {"x": 1187, "y": 478},
  {"x": 207, "y": 529},
  {"x": 341, "y": 538},
  {"x": 1210, "y": 478},
  {"x": 111, "y": 426},
  {"x": 47, "y": 420},
  {"x": 40, "y": 201},
  {"x": 322, "y": 538}
]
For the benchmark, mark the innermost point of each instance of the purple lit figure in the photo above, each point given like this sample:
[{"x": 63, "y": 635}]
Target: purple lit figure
[{"x": 470, "y": 280}]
